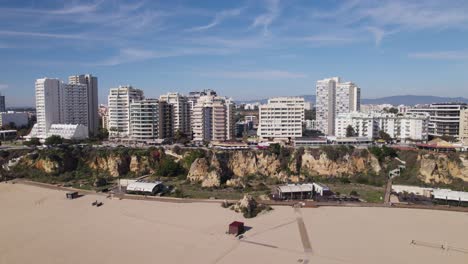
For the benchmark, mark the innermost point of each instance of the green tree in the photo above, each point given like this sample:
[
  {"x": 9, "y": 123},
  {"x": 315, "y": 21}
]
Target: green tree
[
  {"x": 103, "y": 134},
  {"x": 350, "y": 132},
  {"x": 385, "y": 136},
  {"x": 54, "y": 140},
  {"x": 32, "y": 142},
  {"x": 169, "y": 167}
]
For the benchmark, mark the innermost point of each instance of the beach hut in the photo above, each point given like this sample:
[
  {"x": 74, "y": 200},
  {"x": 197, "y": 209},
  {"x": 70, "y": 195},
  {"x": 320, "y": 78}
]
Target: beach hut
[{"x": 236, "y": 228}]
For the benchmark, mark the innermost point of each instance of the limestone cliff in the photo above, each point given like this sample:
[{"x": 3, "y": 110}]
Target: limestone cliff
[
  {"x": 236, "y": 168},
  {"x": 441, "y": 169}
]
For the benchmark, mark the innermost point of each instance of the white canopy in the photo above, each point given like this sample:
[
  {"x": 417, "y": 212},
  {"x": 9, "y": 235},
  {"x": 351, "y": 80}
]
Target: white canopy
[
  {"x": 142, "y": 186},
  {"x": 293, "y": 188}
]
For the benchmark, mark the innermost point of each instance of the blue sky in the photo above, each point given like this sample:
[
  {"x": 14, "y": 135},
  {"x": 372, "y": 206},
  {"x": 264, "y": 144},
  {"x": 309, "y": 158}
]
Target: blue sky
[{"x": 244, "y": 49}]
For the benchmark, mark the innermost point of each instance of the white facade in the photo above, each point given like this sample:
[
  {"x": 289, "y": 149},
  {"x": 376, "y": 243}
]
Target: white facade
[
  {"x": 59, "y": 103},
  {"x": 19, "y": 119},
  {"x": 68, "y": 131},
  {"x": 407, "y": 127},
  {"x": 444, "y": 118},
  {"x": 464, "y": 126},
  {"x": 47, "y": 105},
  {"x": 181, "y": 108},
  {"x": 119, "y": 100},
  {"x": 213, "y": 119},
  {"x": 144, "y": 120},
  {"x": 281, "y": 117},
  {"x": 335, "y": 97}
]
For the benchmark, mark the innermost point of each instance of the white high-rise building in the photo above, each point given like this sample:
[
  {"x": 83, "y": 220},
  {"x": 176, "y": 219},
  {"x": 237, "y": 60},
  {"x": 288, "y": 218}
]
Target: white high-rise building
[
  {"x": 144, "y": 120},
  {"x": 119, "y": 100},
  {"x": 61, "y": 105},
  {"x": 47, "y": 105},
  {"x": 406, "y": 127},
  {"x": 181, "y": 108},
  {"x": 213, "y": 119},
  {"x": 91, "y": 83},
  {"x": 281, "y": 117},
  {"x": 335, "y": 97}
]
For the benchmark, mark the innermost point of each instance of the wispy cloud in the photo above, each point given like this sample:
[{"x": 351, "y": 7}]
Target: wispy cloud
[
  {"x": 260, "y": 75},
  {"x": 40, "y": 34},
  {"x": 128, "y": 55},
  {"x": 386, "y": 17},
  {"x": 441, "y": 55},
  {"x": 219, "y": 17},
  {"x": 264, "y": 20},
  {"x": 329, "y": 39},
  {"x": 68, "y": 9}
]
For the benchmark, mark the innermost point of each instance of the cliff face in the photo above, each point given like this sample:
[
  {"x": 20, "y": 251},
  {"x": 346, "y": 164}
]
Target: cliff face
[
  {"x": 442, "y": 169},
  {"x": 232, "y": 166},
  {"x": 235, "y": 168},
  {"x": 348, "y": 165}
]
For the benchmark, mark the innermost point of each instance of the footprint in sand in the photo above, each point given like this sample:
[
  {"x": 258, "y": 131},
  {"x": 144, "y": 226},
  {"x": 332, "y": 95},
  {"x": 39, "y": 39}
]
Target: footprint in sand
[{"x": 40, "y": 201}]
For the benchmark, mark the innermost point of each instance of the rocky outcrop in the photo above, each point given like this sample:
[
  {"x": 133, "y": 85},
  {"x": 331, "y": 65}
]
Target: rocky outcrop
[
  {"x": 249, "y": 207},
  {"x": 115, "y": 165},
  {"x": 347, "y": 165},
  {"x": 201, "y": 171},
  {"x": 441, "y": 169},
  {"x": 48, "y": 166}
]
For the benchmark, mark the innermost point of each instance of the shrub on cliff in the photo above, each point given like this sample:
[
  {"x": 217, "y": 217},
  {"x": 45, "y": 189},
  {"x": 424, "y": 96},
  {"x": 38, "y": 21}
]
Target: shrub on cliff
[
  {"x": 335, "y": 153},
  {"x": 382, "y": 153},
  {"x": 191, "y": 156},
  {"x": 168, "y": 167}
]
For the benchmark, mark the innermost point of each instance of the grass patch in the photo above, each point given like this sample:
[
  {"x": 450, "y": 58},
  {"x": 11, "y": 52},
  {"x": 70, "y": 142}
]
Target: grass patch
[{"x": 372, "y": 194}]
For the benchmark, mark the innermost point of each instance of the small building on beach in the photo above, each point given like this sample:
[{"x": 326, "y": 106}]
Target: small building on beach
[
  {"x": 146, "y": 188},
  {"x": 294, "y": 191},
  {"x": 236, "y": 228},
  {"x": 301, "y": 191}
]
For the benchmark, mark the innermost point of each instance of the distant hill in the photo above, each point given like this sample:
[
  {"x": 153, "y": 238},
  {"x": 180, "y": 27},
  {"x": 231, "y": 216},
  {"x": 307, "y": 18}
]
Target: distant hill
[{"x": 394, "y": 100}]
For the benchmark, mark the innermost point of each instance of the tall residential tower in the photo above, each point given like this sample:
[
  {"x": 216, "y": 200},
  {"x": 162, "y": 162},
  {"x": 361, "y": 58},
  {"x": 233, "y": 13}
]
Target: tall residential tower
[
  {"x": 119, "y": 100},
  {"x": 91, "y": 83},
  {"x": 335, "y": 97}
]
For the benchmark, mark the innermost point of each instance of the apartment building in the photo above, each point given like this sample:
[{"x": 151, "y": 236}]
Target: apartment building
[
  {"x": 444, "y": 118},
  {"x": 281, "y": 118},
  {"x": 181, "y": 111},
  {"x": 463, "y": 135},
  {"x": 2, "y": 104},
  {"x": 213, "y": 119},
  {"x": 334, "y": 97},
  {"x": 59, "y": 103},
  {"x": 403, "y": 128},
  {"x": 73, "y": 102},
  {"x": 119, "y": 100},
  {"x": 91, "y": 83},
  {"x": 166, "y": 120},
  {"x": 144, "y": 120}
]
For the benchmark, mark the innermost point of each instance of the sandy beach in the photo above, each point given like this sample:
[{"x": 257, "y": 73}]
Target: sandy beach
[{"x": 39, "y": 225}]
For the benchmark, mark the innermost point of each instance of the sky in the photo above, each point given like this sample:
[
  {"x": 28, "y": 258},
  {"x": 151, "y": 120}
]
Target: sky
[{"x": 242, "y": 49}]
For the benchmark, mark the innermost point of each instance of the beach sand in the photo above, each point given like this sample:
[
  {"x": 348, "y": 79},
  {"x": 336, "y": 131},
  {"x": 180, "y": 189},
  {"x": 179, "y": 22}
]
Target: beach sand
[{"x": 39, "y": 225}]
